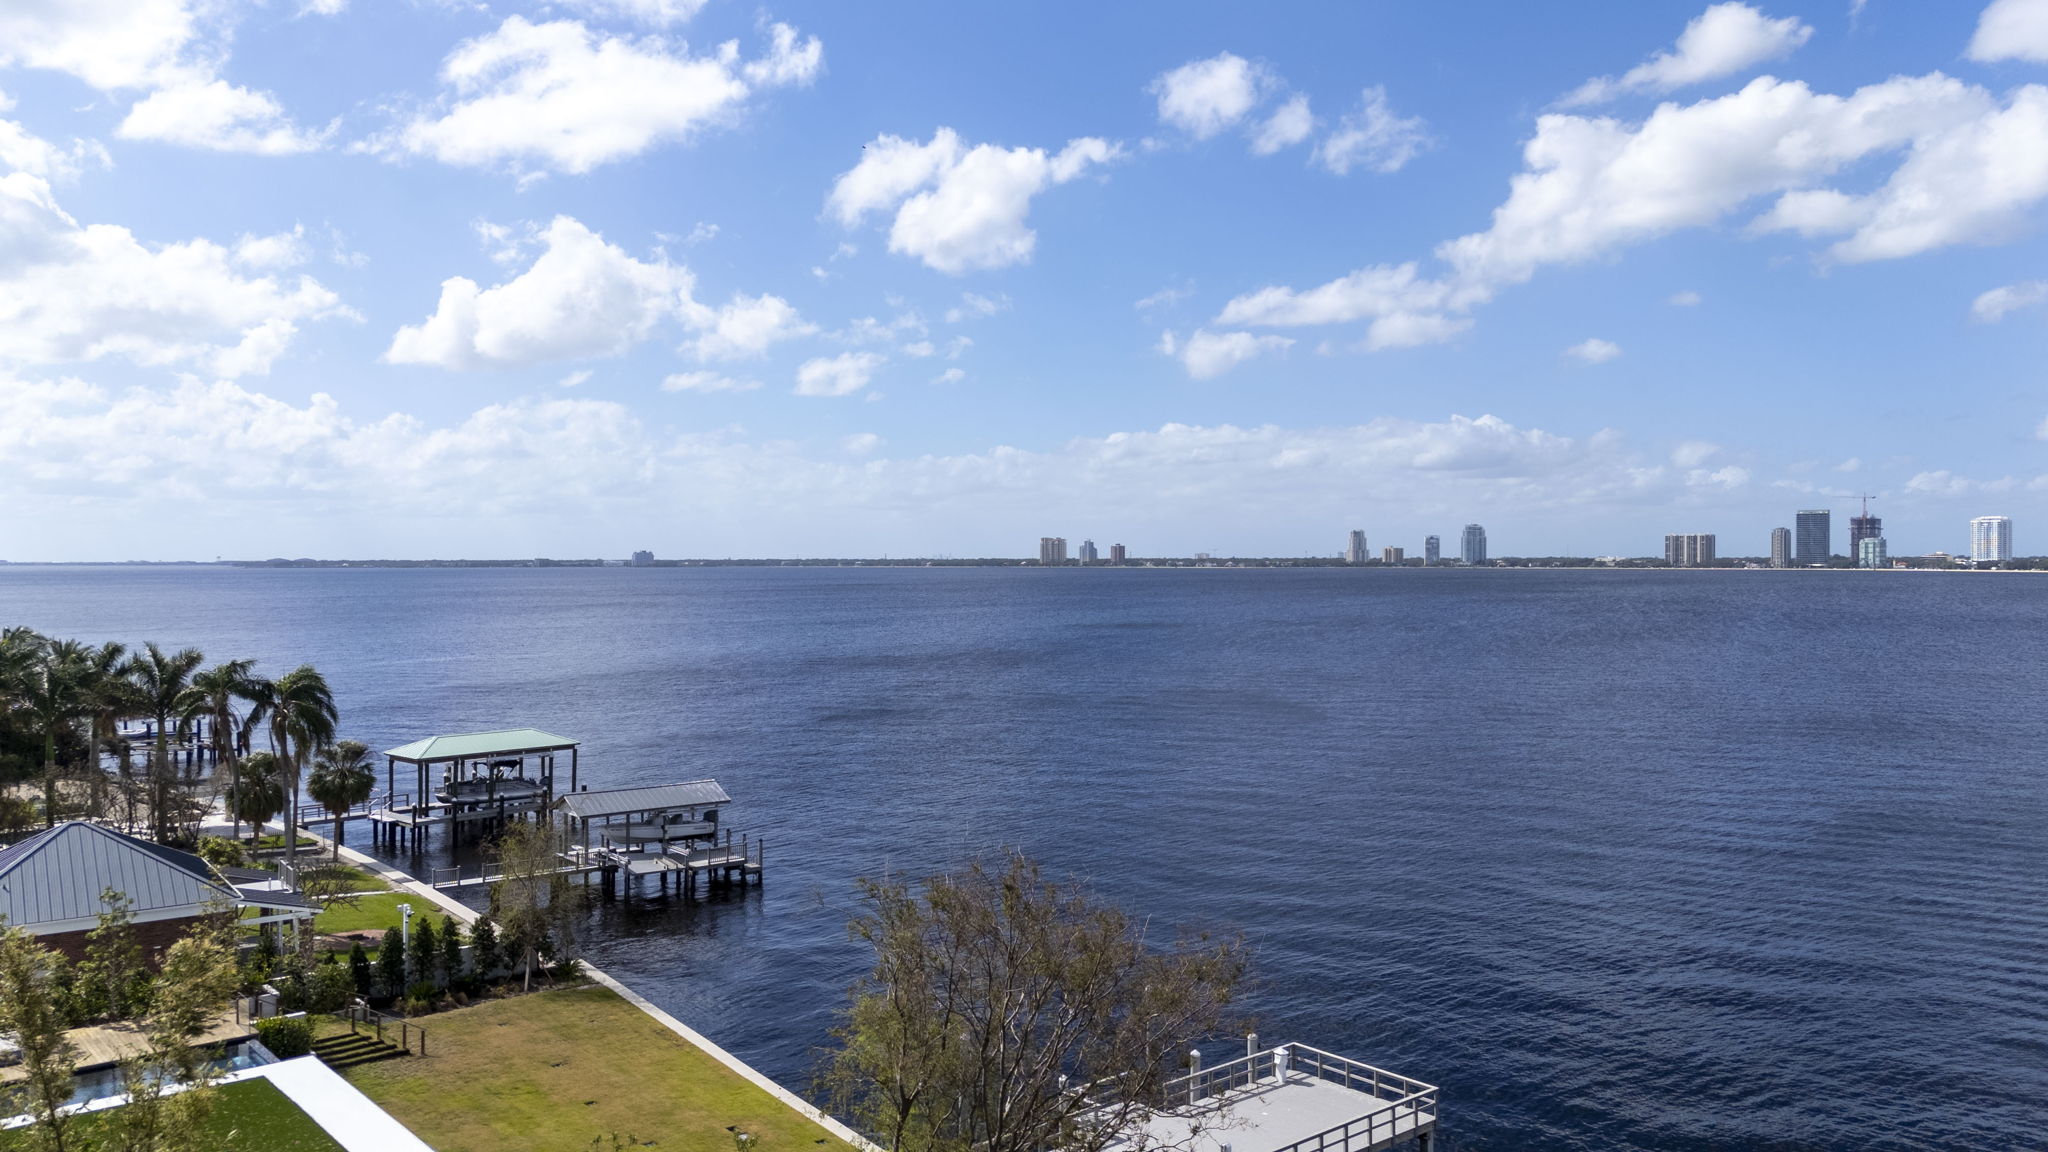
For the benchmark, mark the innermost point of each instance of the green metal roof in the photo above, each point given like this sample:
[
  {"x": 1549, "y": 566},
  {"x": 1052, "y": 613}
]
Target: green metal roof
[{"x": 480, "y": 745}]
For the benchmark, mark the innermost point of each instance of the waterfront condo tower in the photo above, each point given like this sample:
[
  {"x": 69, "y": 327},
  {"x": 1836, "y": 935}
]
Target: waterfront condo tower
[
  {"x": 1088, "y": 553},
  {"x": 1432, "y": 551},
  {"x": 1393, "y": 555},
  {"x": 1870, "y": 553},
  {"x": 1472, "y": 549},
  {"x": 1990, "y": 539},
  {"x": 1813, "y": 535},
  {"x": 1052, "y": 551},
  {"x": 1354, "y": 551},
  {"x": 1117, "y": 554},
  {"x": 1781, "y": 547},
  {"x": 1861, "y": 528},
  {"x": 1694, "y": 550}
]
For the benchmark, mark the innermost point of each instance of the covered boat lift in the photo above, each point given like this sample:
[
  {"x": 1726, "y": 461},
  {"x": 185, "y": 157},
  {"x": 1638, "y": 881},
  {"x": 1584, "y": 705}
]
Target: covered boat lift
[
  {"x": 486, "y": 779},
  {"x": 658, "y": 830}
]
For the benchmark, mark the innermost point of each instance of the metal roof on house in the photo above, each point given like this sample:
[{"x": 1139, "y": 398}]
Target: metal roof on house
[
  {"x": 660, "y": 798},
  {"x": 53, "y": 880},
  {"x": 478, "y": 745}
]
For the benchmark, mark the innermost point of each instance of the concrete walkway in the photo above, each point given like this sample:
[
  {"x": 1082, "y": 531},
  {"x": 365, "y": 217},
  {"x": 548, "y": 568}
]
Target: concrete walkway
[{"x": 351, "y": 1118}]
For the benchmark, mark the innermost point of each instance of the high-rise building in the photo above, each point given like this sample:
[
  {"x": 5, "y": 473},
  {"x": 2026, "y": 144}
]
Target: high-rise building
[
  {"x": 1432, "y": 551},
  {"x": 1472, "y": 549},
  {"x": 1870, "y": 553},
  {"x": 1990, "y": 539},
  {"x": 1695, "y": 550},
  {"x": 1781, "y": 547},
  {"x": 1354, "y": 553},
  {"x": 1116, "y": 554},
  {"x": 1052, "y": 551},
  {"x": 1813, "y": 536},
  {"x": 1088, "y": 553},
  {"x": 1393, "y": 555},
  {"x": 641, "y": 559}
]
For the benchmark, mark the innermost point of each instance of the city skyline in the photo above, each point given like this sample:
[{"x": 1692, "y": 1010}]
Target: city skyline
[{"x": 523, "y": 278}]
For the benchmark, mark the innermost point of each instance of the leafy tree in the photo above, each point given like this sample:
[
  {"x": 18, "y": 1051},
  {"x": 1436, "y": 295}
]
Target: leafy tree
[
  {"x": 32, "y": 1016},
  {"x": 113, "y": 977},
  {"x": 993, "y": 990},
  {"x": 426, "y": 951},
  {"x": 359, "y": 969},
  {"x": 342, "y": 778},
  {"x": 451, "y": 949},
  {"x": 193, "y": 986},
  {"x": 535, "y": 905},
  {"x": 391, "y": 962},
  {"x": 301, "y": 714},
  {"x": 257, "y": 795},
  {"x": 331, "y": 986}
]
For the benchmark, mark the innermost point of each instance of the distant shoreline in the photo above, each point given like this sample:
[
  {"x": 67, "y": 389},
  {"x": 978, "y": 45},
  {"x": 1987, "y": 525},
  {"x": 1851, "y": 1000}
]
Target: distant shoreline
[{"x": 1238, "y": 563}]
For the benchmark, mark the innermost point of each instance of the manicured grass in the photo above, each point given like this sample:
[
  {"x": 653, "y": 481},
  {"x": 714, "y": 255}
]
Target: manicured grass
[
  {"x": 370, "y": 910},
  {"x": 252, "y": 1116},
  {"x": 554, "y": 1071}
]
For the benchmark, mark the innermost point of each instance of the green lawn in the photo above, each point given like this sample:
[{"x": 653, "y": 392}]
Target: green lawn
[
  {"x": 370, "y": 910},
  {"x": 554, "y": 1071},
  {"x": 252, "y": 1116}
]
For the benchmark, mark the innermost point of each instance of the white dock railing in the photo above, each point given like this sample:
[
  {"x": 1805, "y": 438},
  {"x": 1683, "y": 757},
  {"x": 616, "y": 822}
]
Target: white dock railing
[{"x": 1404, "y": 1104}]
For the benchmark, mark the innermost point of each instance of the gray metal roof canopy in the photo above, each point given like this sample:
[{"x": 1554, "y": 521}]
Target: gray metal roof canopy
[{"x": 630, "y": 801}]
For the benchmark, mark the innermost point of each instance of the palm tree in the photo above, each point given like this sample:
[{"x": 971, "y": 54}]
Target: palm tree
[
  {"x": 257, "y": 794},
  {"x": 302, "y": 716},
  {"x": 211, "y": 696},
  {"x": 52, "y": 697},
  {"x": 161, "y": 679},
  {"x": 342, "y": 778},
  {"x": 113, "y": 698}
]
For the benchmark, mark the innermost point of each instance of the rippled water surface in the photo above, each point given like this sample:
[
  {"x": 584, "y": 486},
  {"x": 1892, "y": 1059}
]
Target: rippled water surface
[{"x": 1622, "y": 860}]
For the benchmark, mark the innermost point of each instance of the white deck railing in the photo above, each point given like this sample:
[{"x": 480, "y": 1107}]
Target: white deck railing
[{"x": 1404, "y": 1104}]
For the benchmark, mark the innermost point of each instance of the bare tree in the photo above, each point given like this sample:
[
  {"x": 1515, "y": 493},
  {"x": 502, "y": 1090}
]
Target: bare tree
[{"x": 1007, "y": 1013}]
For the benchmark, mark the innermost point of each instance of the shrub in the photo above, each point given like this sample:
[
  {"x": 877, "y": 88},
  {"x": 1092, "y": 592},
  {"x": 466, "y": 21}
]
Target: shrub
[
  {"x": 391, "y": 962},
  {"x": 486, "y": 958},
  {"x": 286, "y": 1036},
  {"x": 359, "y": 969},
  {"x": 222, "y": 852},
  {"x": 451, "y": 950},
  {"x": 420, "y": 998},
  {"x": 331, "y": 987}
]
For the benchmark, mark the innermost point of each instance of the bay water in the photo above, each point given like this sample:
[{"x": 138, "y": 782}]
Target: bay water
[{"x": 1622, "y": 860}]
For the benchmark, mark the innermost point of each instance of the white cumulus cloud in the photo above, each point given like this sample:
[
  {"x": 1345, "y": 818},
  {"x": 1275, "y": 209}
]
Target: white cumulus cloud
[
  {"x": 958, "y": 208},
  {"x": 1968, "y": 167},
  {"x": 748, "y": 327},
  {"x": 1374, "y": 137},
  {"x": 1207, "y": 354},
  {"x": 218, "y": 116},
  {"x": 840, "y": 375},
  {"x": 1290, "y": 124},
  {"x": 1594, "y": 350},
  {"x": 561, "y": 97},
  {"x": 1726, "y": 39},
  {"x": 706, "y": 382},
  {"x": 659, "y": 13},
  {"x": 580, "y": 297},
  {"x": 72, "y": 292},
  {"x": 2012, "y": 30},
  {"x": 1205, "y": 97},
  {"x": 1992, "y": 306}
]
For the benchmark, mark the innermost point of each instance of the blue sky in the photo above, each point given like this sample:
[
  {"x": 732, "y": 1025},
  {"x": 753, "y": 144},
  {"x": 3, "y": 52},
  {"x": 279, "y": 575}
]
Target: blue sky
[{"x": 341, "y": 278}]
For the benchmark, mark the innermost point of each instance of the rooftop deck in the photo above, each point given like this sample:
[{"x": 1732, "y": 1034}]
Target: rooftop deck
[{"x": 1323, "y": 1103}]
